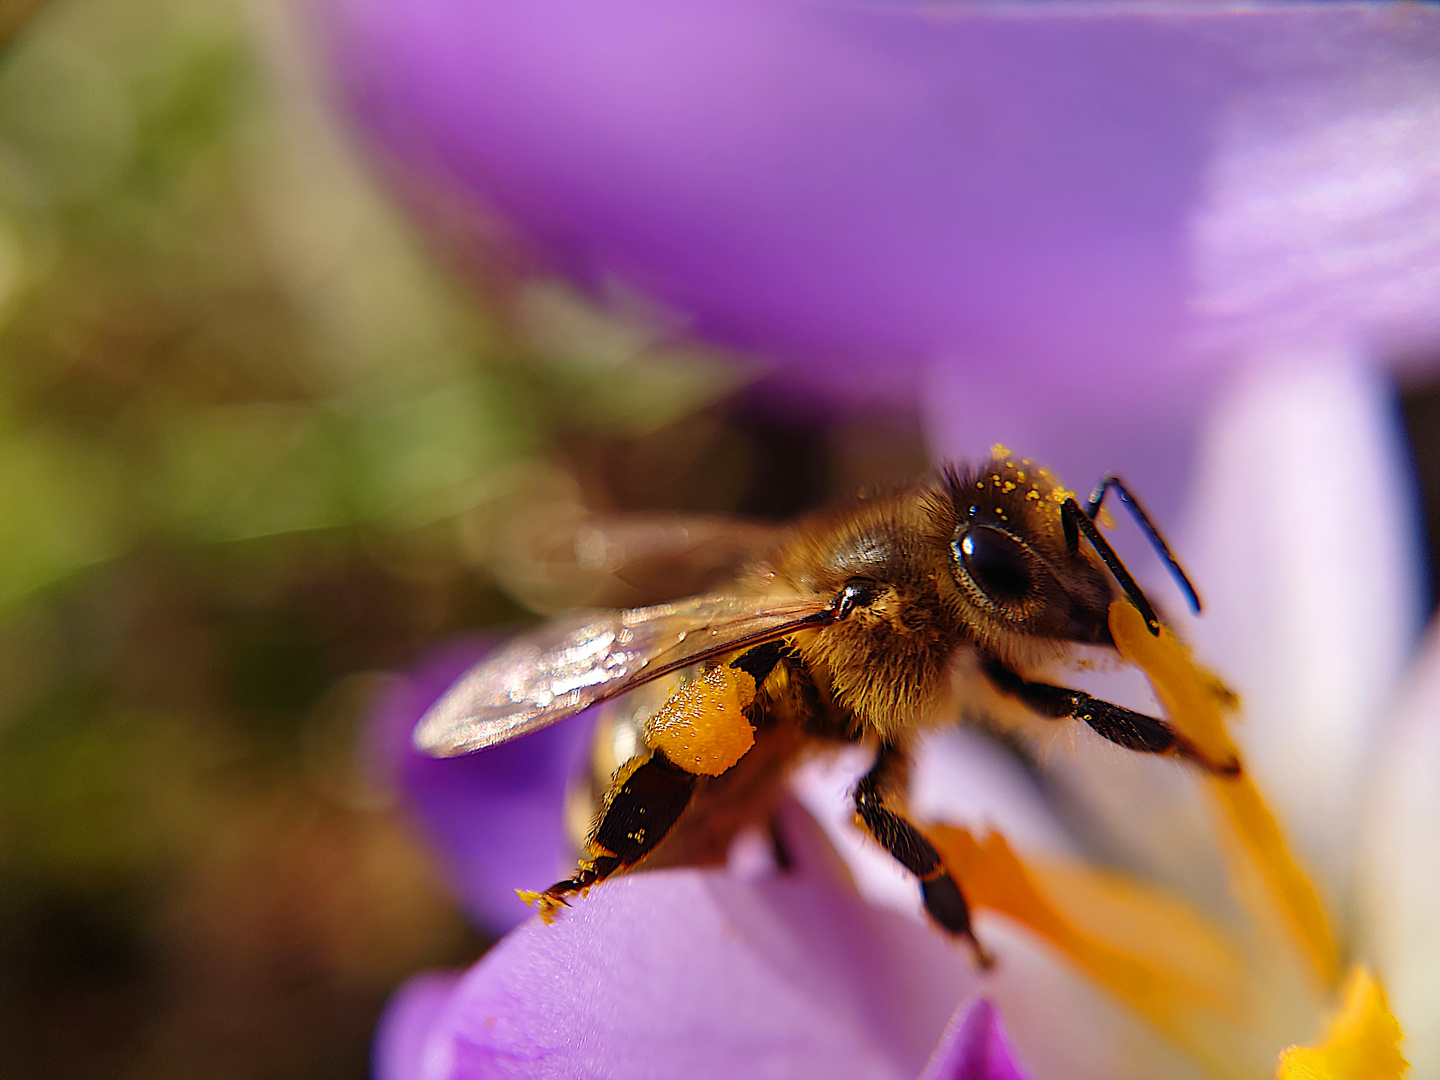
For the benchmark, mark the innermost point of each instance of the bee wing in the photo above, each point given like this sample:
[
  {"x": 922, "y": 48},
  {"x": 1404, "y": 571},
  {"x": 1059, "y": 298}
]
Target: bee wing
[
  {"x": 651, "y": 556},
  {"x": 570, "y": 664},
  {"x": 554, "y": 558}
]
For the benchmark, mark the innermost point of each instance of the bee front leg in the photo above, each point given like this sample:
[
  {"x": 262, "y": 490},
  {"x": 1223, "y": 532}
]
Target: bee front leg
[
  {"x": 1124, "y": 727},
  {"x": 941, "y": 892}
]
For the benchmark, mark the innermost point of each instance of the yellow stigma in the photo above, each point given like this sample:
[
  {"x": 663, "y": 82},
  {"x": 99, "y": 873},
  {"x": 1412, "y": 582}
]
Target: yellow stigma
[
  {"x": 1362, "y": 1042},
  {"x": 1195, "y": 702}
]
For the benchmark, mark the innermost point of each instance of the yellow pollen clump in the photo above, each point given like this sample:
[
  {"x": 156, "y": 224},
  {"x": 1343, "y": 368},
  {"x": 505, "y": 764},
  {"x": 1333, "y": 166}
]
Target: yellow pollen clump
[
  {"x": 547, "y": 904},
  {"x": 1033, "y": 495},
  {"x": 703, "y": 727}
]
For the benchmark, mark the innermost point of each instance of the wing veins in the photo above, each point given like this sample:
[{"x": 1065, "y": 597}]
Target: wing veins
[
  {"x": 723, "y": 648},
  {"x": 506, "y": 695}
]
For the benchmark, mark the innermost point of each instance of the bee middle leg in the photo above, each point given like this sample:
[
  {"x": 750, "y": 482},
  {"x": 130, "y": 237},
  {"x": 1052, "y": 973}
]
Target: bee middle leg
[
  {"x": 1124, "y": 727},
  {"x": 944, "y": 901}
]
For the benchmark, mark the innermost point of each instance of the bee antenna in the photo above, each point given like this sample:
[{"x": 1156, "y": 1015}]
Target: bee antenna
[
  {"x": 1092, "y": 508},
  {"x": 1075, "y": 522}
]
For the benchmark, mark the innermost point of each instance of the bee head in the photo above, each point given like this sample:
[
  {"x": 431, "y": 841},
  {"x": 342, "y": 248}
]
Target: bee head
[{"x": 1008, "y": 556}]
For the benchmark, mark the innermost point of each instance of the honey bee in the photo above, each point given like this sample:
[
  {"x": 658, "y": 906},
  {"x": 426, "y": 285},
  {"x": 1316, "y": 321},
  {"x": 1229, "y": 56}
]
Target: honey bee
[{"x": 852, "y": 628}]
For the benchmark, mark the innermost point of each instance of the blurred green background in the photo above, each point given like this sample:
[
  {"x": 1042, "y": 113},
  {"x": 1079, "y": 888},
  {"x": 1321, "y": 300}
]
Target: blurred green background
[{"x": 259, "y": 443}]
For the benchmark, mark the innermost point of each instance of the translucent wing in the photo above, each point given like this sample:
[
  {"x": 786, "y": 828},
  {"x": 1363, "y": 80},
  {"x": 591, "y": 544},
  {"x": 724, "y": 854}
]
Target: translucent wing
[
  {"x": 555, "y": 557},
  {"x": 570, "y": 664},
  {"x": 651, "y": 556}
]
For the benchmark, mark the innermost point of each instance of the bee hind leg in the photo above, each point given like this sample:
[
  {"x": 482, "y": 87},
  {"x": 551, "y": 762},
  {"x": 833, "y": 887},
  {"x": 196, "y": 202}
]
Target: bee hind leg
[
  {"x": 646, "y": 799},
  {"x": 1124, "y": 727},
  {"x": 944, "y": 901}
]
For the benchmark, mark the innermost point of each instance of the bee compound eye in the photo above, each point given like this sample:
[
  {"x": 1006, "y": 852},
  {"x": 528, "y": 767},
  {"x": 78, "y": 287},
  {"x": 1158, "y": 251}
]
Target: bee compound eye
[{"x": 997, "y": 563}]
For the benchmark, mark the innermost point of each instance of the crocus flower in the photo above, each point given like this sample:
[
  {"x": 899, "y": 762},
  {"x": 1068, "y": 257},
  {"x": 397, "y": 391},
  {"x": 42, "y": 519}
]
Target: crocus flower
[
  {"x": 727, "y": 972},
  {"x": 1079, "y": 230}
]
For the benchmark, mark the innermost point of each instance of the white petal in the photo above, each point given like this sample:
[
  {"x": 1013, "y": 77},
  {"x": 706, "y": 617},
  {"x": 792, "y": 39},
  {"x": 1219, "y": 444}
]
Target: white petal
[
  {"x": 823, "y": 787},
  {"x": 1399, "y": 864},
  {"x": 1304, "y": 545},
  {"x": 1062, "y": 1025},
  {"x": 964, "y": 778},
  {"x": 960, "y": 777}
]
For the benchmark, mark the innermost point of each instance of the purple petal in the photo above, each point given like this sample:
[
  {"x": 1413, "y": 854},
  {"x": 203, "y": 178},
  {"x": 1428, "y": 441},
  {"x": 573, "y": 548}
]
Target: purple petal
[
  {"x": 974, "y": 1047},
  {"x": 496, "y": 818},
  {"x": 406, "y": 1025},
  {"x": 699, "y": 974},
  {"x": 1053, "y": 218},
  {"x": 1065, "y": 1028},
  {"x": 842, "y": 179}
]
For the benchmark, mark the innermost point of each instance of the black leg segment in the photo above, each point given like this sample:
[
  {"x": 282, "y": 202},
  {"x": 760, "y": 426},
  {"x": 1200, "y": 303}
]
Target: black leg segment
[
  {"x": 588, "y": 874},
  {"x": 1124, "y": 727},
  {"x": 946, "y": 904},
  {"x": 760, "y": 661},
  {"x": 896, "y": 835},
  {"x": 639, "y": 813},
  {"x": 643, "y": 809},
  {"x": 944, "y": 901}
]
